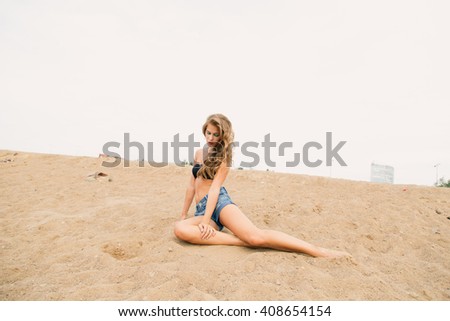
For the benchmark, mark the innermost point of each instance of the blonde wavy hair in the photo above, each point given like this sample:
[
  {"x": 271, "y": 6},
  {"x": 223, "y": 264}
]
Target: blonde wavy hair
[{"x": 223, "y": 151}]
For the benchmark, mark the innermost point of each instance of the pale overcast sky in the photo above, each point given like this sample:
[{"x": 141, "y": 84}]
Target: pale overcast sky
[{"x": 77, "y": 74}]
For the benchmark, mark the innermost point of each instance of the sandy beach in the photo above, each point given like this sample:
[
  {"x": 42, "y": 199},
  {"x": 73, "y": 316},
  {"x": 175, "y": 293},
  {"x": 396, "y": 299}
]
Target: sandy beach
[{"x": 72, "y": 229}]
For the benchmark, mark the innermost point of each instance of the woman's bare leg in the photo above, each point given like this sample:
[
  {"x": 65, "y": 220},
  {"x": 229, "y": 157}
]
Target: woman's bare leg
[
  {"x": 187, "y": 230},
  {"x": 232, "y": 217}
]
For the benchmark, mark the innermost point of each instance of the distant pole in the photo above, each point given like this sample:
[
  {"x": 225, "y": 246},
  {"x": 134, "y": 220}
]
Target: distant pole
[{"x": 437, "y": 173}]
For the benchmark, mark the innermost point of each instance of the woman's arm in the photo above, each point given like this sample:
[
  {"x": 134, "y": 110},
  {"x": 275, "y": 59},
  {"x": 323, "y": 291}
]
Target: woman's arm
[
  {"x": 189, "y": 196},
  {"x": 213, "y": 196},
  {"x": 190, "y": 190}
]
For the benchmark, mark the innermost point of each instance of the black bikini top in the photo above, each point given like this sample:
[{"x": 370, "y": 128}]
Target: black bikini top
[{"x": 196, "y": 168}]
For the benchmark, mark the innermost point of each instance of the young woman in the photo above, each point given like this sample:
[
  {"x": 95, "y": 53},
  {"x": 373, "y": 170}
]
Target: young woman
[{"x": 215, "y": 209}]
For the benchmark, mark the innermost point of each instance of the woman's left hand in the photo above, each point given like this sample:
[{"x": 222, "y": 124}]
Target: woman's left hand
[{"x": 206, "y": 231}]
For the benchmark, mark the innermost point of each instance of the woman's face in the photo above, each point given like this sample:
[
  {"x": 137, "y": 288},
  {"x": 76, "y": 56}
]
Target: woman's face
[{"x": 212, "y": 135}]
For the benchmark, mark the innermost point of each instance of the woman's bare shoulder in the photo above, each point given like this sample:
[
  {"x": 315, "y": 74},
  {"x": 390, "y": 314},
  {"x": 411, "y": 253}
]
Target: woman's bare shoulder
[{"x": 198, "y": 157}]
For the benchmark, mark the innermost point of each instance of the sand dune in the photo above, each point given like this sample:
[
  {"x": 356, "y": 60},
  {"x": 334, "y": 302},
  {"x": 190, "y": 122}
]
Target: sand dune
[{"x": 68, "y": 234}]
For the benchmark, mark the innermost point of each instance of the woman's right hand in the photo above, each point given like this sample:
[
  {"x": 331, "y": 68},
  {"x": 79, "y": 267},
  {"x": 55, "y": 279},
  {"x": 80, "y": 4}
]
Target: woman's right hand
[
  {"x": 206, "y": 231},
  {"x": 183, "y": 217}
]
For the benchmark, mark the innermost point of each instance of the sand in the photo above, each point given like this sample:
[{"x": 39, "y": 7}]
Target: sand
[{"x": 69, "y": 234}]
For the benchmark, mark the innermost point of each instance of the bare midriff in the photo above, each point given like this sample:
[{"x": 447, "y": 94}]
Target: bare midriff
[{"x": 201, "y": 188}]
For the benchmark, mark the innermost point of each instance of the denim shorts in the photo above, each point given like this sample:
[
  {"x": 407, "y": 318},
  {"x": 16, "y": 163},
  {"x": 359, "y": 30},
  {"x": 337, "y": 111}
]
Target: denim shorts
[{"x": 223, "y": 200}]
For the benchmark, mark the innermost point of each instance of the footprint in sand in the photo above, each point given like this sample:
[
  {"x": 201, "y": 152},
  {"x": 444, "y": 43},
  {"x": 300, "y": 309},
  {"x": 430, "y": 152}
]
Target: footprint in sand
[
  {"x": 317, "y": 209},
  {"x": 123, "y": 251}
]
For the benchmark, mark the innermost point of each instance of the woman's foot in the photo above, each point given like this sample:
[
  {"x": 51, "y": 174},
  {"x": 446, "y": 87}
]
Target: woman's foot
[{"x": 331, "y": 254}]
